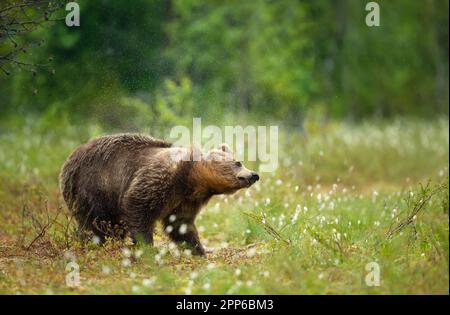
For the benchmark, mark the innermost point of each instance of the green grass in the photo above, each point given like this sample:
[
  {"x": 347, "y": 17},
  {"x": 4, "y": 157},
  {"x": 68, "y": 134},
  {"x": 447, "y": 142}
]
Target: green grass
[{"x": 343, "y": 196}]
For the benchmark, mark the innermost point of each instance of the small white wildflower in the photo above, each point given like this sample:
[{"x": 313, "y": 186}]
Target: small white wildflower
[
  {"x": 126, "y": 262},
  {"x": 278, "y": 182},
  {"x": 135, "y": 289},
  {"x": 169, "y": 229},
  {"x": 172, "y": 218},
  {"x": 210, "y": 266},
  {"x": 96, "y": 240},
  {"x": 132, "y": 275},
  {"x": 251, "y": 252},
  {"x": 249, "y": 283},
  {"x": 296, "y": 188},
  {"x": 147, "y": 282},
  {"x": 266, "y": 274},
  {"x": 106, "y": 270},
  {"x": 206, "y": 286},
  {"x": 172, "y": 246},
  {"x": 237, "y": 272},
  {"x": 126, "y": 252},
  {"x": 267, "y": 202},
  {"x": 183, "y": 229},
  {"x": 193, "y": 275},
  {"x": 138, "y": 253},
  {"x": 187, "y": 252}
]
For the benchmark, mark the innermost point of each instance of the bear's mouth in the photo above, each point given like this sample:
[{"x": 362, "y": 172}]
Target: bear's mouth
[{"x": 246, "y": 181}]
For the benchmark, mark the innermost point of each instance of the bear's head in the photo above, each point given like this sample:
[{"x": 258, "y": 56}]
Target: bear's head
[{"x": 220, "y": 171}]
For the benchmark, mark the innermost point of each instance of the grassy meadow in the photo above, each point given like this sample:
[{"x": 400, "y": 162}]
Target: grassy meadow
[{"x": 343, "y": 196}]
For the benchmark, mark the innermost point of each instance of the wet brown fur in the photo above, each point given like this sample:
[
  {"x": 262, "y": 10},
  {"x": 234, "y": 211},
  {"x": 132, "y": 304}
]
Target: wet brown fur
[{"x": 130, "y": 180}]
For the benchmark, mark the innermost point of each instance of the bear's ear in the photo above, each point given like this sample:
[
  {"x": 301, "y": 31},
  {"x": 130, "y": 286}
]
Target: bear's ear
[{"x": 225, "y": 148}]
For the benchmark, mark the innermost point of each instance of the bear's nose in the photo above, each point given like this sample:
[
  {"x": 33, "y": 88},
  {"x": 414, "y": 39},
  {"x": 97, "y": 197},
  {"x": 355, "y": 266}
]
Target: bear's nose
[{"x": 254, "y": 177}]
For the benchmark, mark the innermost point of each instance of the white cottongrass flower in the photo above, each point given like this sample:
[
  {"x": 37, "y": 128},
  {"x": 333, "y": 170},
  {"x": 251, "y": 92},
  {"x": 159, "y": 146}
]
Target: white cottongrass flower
[
  {"x": 138, "y": 253},
  {"x": 298, "y": 209},
  {"x": 251, "y": 252},
  {"x": 183, "y": 229},
  {"x": 148, "y": 282},
  {"x": 207, "y": 286},
  {"x": 126, "y": 262},
  {"x": 135, "y": 289},
  {"x": 96, "y": 240},
  {"x": 126, "y": 252},
  {"x": 106, "y": 270},
  {"x": 169, "y": 229}
]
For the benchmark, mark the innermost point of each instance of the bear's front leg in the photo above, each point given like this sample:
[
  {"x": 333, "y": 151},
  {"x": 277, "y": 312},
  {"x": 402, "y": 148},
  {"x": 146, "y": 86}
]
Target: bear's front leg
[
  {"x": 184, "y": 231},
  {"x": 140, "y": 218}
]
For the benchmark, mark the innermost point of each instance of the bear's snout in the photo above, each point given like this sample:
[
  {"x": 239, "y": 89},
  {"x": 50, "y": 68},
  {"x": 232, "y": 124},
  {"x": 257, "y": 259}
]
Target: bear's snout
[
  {"x": 249, "y": 179},
  {"x": 254, "y": 177}
]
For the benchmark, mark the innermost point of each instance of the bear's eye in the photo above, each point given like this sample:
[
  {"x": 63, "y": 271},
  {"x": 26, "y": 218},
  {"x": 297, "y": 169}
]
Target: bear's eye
[{"x": 238, "y": 164}]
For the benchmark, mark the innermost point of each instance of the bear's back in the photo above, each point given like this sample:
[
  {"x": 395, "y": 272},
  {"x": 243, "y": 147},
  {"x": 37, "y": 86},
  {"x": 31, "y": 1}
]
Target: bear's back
[{"x": 105, "y": 166}]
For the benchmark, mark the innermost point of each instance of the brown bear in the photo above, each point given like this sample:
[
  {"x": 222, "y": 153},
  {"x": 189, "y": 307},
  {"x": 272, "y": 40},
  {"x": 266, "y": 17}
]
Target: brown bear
[{"x": 131, "y": 180}]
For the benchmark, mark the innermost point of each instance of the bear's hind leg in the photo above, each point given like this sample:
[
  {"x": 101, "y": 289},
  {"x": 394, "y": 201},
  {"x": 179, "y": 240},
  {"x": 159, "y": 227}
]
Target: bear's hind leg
[
  {"x": 144, "y": 234},
  {"x": 184, "y": 231}
]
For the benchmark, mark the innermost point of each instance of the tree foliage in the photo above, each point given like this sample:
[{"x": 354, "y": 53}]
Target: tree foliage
[{"x": 278, "y": 59}]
